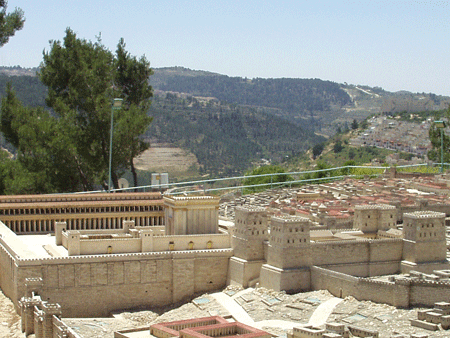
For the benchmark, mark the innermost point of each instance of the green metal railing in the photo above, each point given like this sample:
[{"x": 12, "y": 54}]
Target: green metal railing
[{"x": 293, "y": 179}]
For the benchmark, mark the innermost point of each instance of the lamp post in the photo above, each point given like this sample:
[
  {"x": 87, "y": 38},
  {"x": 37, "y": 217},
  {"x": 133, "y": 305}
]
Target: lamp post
[
  {"x": 117, "y": 104},
  {"x": 441, "y": 125}
]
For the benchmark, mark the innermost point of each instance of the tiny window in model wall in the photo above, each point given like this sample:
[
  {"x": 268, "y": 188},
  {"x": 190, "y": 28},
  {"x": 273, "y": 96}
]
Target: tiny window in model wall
[
  {"x": 171, "y": 246},
  {"x": 191, "y": 245}
]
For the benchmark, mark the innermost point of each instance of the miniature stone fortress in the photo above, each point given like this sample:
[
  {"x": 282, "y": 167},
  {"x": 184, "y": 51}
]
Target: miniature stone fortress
[
  {"x": 299, "y": 259},
  {"x": 92, "y": 272}
]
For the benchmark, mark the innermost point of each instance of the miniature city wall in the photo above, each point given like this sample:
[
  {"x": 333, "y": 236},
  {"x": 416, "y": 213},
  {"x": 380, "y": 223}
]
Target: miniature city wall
[
  {"x": 95, "y": 285},
  {"x": 400, "y": 292}
]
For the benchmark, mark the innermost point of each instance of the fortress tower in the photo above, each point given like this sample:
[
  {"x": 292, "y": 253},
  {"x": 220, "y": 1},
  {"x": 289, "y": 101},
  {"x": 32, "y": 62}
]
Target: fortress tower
[
  {"x": 250, "y": 233},
  {"x": 289, "y": 255},
  {"x": 251, "y": 230},
  {"x": 424, "y": 238},
  {"x": 371, "y": 218}
]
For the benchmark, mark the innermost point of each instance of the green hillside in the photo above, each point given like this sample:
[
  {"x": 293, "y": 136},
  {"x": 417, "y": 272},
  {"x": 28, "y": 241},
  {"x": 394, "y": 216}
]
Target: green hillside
[
  {"x": 294, "y": 99},
  {"x": 226, "y": 139}
]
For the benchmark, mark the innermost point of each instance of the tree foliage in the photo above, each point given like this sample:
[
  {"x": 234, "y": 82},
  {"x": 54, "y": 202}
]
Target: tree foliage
[
  {"x": 337, "y": 148},
  {"x": 317, "y": 149},
  {"x": 69, "y": 147},
  {"x": 266, "y": 180},
  {"x": 435, "y": 138},
  {"x": 9, "y": 22}
]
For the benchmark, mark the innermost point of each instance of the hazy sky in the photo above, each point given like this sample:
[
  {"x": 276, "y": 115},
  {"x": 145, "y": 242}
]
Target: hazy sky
[{"x": 396, "y": 44}]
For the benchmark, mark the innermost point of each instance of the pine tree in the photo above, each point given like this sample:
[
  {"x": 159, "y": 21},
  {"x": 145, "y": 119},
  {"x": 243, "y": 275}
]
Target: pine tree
[{"x": 9, "y": 23}]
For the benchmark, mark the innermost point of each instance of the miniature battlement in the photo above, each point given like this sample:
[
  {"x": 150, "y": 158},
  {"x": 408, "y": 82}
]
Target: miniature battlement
[
  {"x": 360, "y": 332},
  {"x": 33, "y": 281},
  {"x": 186, "y": 198},
  {"x": 429, "y": 283},
  {"x": 363, "y": 280},
  {"x": 359, "y": 240},
  {"x": 247, "y": 208},
  {"x": 424, "y": 214},
  {"x": 118, "y": 257},
  {"x": 402, "y": 281},
  {"x": 51, "y": 308},
  {"x": 290, "y": 219},
  {"x": 30, "y": 302},
  {"x": 374, "y": 206}
]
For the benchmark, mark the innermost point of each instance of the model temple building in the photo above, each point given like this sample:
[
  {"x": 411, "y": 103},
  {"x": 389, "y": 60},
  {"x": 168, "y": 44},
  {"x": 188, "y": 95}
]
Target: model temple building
[{"x": 94, "y": 254}]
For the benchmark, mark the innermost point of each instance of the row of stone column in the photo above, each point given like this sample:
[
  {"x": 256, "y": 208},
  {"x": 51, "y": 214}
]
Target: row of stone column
[{"x": 37, "y": 226}]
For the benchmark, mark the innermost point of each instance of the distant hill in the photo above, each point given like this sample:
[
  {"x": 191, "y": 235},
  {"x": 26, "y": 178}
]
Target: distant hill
[
  {"x": 28, "y": 88},
  {"x": 226, "y": 139},
  {"x": 230, "y": 123},
  {"x": 315, "y": 104},
  {"x": 298, "y": 100}
]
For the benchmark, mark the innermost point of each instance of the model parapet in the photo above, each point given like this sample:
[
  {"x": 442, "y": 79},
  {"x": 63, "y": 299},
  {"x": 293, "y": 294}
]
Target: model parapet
[{"x": 132, "y": 239}]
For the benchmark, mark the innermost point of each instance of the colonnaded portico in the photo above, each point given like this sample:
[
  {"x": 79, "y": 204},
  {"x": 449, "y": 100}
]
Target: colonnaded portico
[{"x": 38, "y": 213}]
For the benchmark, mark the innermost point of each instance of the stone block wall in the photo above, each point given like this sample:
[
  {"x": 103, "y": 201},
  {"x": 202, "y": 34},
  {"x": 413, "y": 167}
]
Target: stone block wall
[
  {"x": 90, "y": 286},
  {"x": 342, "y": 285},
  {"x": 362, "y": 258},
  {"x": 338, "y": 284},
  {"x": 289, "y": 280},
  {"x": 339, "y": 252},
  {"x": 425, "y": 293},
  {"x": 242, "y": 272},
  {"x": 7, "y": 271}
]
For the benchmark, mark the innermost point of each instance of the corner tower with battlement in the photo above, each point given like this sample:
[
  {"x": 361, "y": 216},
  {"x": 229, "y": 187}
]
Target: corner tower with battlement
[
  {"x": 289, "y": 255},
  {"x": 249, "y": 235},
  {"x": 424, "y": 240}
]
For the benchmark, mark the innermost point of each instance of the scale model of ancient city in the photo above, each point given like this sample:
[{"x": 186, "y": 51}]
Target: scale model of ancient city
[{"x": 88, "y": 255}]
